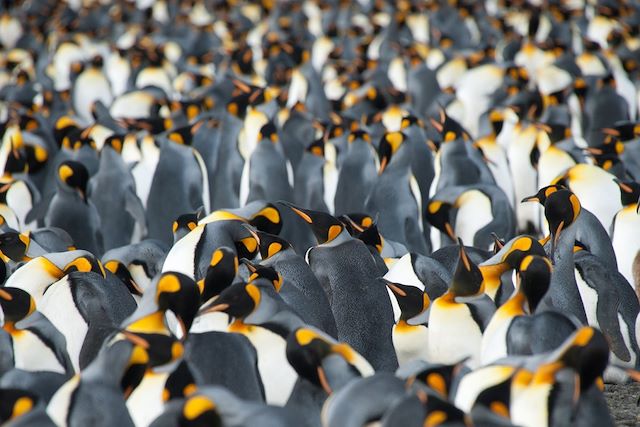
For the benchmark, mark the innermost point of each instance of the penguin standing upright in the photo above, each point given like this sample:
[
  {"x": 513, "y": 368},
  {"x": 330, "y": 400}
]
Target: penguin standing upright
[
  {"x": 177, "y": 187},
  {"x": 409, "y": 339},
  {"x": 91, "y": 86},
  {"x": 111, "y": 189},
  {"x": 269, "y": 172},
  {"x": 71, "y": 210},
  {"x": 346, "y": 270},
  {"x": 357, "y": 174},
  {"x": 458, "y": 318},
  {"x": 395, "y": 196},
  {"x": 625, "y": 228}
]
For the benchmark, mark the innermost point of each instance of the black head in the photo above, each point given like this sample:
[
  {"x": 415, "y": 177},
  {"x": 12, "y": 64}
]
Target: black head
[
  {"x": 535, "y": 275},
  {"x": 238, "y": 300},
  {"x": 268, "y": 132},
  {"x": 439, "y": 215},
  {"x": 467, "y": 279},
  {"x": 270, "y": 244},
  {"x": 74, "y": 175},
  {"x": 199, "y": 411},
  {"x": 136, "y": 367},
  {"x": 316, "y": 148},
  {"x": 588, "y": 353},
  {"x": 185, "y": 223},
  {"x": 116, "y": 142},
  {"x": 259, "y": 271},
  {"x": 16, "y": 304},
  {"x": 561, "y": 209},
  {"x": 180, "y": 294},
  {"x": 179, "y": 384},
  {"x": 629, "y": 193},
  {"x": 222, "y": 269},
  {"x": 412, "y": 300},
  {"x": 14, "y": 245},
  {"x": 389, "y": 145},
  {"x": 324, "y": 226},
  {"x": 543, "y": 193},
  {"x": 15, "y": 403},
  {"x": 267, "y": 219},
  {"x": 122, "y": 272}
]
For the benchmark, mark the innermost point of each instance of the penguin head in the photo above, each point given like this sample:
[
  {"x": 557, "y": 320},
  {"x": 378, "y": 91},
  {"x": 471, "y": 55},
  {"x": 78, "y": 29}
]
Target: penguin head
[
  {"x": 269, "y": 244},
  {"x": 438, "y": 378},
  {"x": 358, "y": 134},
  {"x": 534, "y": 274},
  {"x": 179, "y": 384},
  {"x": 199, "y": 411},
  {"x": 325, "y": 227},
  {"x": 14, "y": 245},
  {"x": 180, "y": 294},
  {"x": 152, "y": 335},
  {"x": 238, "y": 300},
  {"x": 561, "y": 209},
  {"x": 16, "y": 304},
  {"x": 389, "y": 145},
  {"x": 15, "y": 403},
  {"x": 309, "y": 352},
  {"x": 510, "y": 256},
  {"x": 267, "y": 219},
  {"x": 543, "y": 193},
  {"x": 439, "y": 215},
  {"x": 185, "y": 223},
  {"x": 115, "y": 142},
  {"x": 467, "y": 278},
  {"x": 74, "y": 175},
  {"x": 587, "y": 352},
  {"x": 264, "y": 272},
  {"x": 412, "y": 300},
  {"x": 268, "y": 132},
  {"x": 629, "y": 193},
  {"x": 496, "y": 120},
  {"x": 122, "y": 272},
  {"x": 316, "y": 148},
  {"x": 371, "y": 237},
  {"x": 135, "y": 369},
  {"x": 356, "y": 223},
  {"x": 222, "y": 269},
  {"x": 449, "y": 129}
]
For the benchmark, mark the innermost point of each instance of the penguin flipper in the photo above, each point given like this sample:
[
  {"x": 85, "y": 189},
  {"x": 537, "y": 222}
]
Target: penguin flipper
[
  {"x": 96, "y": 336},
  {"x": 39, "y": 210},
  {"x": 134, "y": 207}
]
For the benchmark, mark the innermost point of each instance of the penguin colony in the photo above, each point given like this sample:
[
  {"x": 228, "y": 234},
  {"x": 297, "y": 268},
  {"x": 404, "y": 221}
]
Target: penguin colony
[{"x": 318, "y": 213}]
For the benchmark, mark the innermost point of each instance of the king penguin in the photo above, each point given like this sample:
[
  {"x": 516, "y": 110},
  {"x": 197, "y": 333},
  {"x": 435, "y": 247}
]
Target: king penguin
[
  {"x": 346, "y": 270},
  {"x": 458, "y": 318},
  {"x": 35, "y": 343},
  {"x": 71, "y": 210},
  {"x": 111, "y": 189},
  {"x": 396, "y": 197}
]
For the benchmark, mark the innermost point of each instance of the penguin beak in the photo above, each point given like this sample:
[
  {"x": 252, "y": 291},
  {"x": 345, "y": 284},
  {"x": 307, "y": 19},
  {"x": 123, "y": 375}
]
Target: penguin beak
[
  {"x": 395, "y": 289},
  {"x": 533, "y": 198},
  {"x": 136, "y": 339},
  {"x": 322, "y": 377},
  {"x": 300, "y": 212},
  {"x": 215, "y": 308},
  {"x": 556, "y": 236},
  {"x": 5, "y": 295},
  {"x": 449, "y": 229}
]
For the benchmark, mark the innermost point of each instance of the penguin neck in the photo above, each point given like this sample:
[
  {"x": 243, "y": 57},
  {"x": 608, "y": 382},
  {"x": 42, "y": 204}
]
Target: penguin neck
[
  {"x": 10, "y": 327},
  {"x": 563, "y": 280}
]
